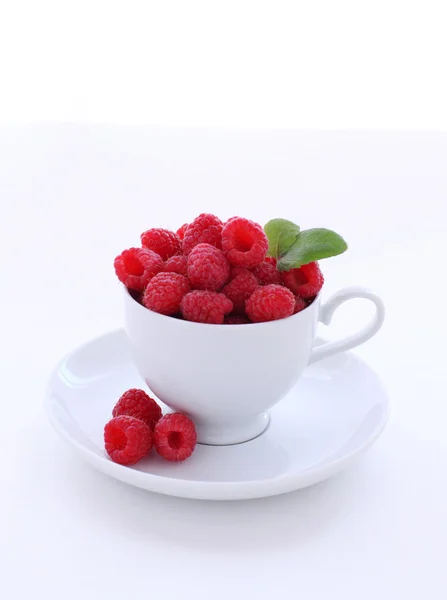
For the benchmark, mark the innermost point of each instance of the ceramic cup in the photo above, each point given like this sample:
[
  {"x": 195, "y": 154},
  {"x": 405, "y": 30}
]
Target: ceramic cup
[{"x": 226, "y": 377}]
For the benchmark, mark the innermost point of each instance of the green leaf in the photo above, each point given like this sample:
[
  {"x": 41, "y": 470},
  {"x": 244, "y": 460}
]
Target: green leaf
[
  {"x": 281, "y": 234},
  {"x": 312, "y": 245}
]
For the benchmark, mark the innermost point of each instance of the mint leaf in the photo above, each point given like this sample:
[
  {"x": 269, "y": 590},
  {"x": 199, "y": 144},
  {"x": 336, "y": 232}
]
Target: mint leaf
[
  {"x": 311, "y": 245},
  {"x": 282, "y": 235}
]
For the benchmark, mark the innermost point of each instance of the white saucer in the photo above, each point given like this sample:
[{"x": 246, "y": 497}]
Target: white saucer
[{"x": 336, "y": 411}]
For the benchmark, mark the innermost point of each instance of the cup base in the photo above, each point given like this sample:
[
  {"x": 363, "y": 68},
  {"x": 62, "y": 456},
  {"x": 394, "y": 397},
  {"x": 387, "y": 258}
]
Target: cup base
[{"x": 227, "y": 434}]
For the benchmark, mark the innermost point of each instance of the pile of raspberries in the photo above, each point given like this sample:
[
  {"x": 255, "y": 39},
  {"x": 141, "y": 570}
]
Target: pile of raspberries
[
  {"x": 215, "y": 272},
  {"x": 138, "y": 426}
]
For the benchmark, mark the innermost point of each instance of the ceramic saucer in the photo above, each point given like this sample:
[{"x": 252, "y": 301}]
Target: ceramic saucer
[{"x": 336, "y": 411}]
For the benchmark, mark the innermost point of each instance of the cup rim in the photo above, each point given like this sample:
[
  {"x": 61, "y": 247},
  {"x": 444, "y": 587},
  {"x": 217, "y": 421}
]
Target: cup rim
[{"x": 183, "y": 323}]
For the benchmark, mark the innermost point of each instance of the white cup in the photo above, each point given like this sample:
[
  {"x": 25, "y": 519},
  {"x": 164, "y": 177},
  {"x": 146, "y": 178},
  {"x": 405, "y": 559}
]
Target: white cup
[{"x": 227, "y": 377}]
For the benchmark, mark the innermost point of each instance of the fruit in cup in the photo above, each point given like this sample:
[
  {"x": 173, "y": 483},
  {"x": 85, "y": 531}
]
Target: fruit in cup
[
  {"x": 162, "y": 241},
  {"x": 135, "y": 267},
  {"x": 244, "y": 243},
  {"x": 269, "y": 303},
  {"x": 209, "y": 269},
  {"x": 306, "y": 281},
  {"x": 300, "y": 304},
  {"x": 205, "y": 306},
  {"x": 241, "y": 286},
  {"x": 176, "y": 264},
  {"x": 164, "y": 293},
  {"x": 267, "y": 273},
  {"x": 205, "y": 229}
]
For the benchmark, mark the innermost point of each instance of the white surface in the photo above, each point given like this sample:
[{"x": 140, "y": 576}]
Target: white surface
[
  {"x": 71, "y": 198},
  {"x": 336, "y": 411},
  {"x": 287, "y": 63}
]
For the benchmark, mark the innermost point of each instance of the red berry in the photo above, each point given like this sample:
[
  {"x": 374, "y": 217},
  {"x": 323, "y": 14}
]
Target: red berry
[
  {"x": 208, "y": 269},
  {"x": 175, "y": 437},
  {"x": 267, "y": 273},
  {"x": 162, "y": 241},
  {"x": 136, "y": 403},
  {"x": 235, "y": 271},
  {"x": 165, "y": 292},
  {"x": 300, "y": 305},
  {"x": 135, "y": 267},
  {"x": 236, "y": 320},
  {"x": 203, "y": 306},
  {"x": 240, "y": 288},
  {"x": 306, "y": 281},
  {"x": 205, "y": 229},
  {"x": 181, "y": 231},
  {"x": 127, "y": 439},
  {"x": 176, "y": 264},
  {"x": 244, "y": 242},
  {"x": 270, "y": 302}
]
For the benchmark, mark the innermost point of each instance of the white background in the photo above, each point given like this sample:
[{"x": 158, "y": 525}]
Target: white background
[
  {"x": 320, "y": 64},
  {"x": 72, "y": 196}
]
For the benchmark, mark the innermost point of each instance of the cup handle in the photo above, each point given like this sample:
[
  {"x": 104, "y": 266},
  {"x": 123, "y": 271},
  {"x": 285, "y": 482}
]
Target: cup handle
[{"x": 325, "y": 316}]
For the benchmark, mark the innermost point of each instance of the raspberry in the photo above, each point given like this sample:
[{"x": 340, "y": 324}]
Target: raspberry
[
  {"x": 306, "y": 281},
  {"x": 236, "y": 320},
  {"x": 270, "y": 302},
  {"x": 176, "y": 264},
  {"x": 135, "y": 267},
  {"x": 127, "y": 439},
  {"x": 181, "y": 231},
  {"x": 267, "y": 273},
  {"x": 208, "y": 269},
  {"x": 300, "y": 305},
  {"x": 205, "y": 229},
  {"x": 165, "y": 292},
  {"x": 235, "y": 271},
  {"x": 240, "y": 288},
  {"x": 136, "y": 403},
  {"x": 162, "y": 241},
  {"x": 310, "y": 300},
  {"x": 203, "y": 306},
  {"x": 244, "y": 243},
  {"x": 175, "y": 437},
  {"x": 270, "y": 260}
]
